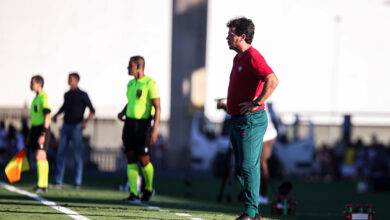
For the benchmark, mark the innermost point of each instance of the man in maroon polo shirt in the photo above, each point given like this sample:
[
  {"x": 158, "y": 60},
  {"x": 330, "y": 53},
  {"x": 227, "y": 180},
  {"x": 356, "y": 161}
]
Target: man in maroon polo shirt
[{"x": 252, "y": 81}]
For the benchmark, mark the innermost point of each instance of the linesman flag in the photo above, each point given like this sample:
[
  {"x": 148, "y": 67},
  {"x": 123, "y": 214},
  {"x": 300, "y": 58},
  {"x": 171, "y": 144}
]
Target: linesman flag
[{"x": 16, "y": 166}]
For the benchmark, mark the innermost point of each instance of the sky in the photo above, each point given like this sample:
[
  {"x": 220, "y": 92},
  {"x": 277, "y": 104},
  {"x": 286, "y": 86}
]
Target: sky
[{"x": 329, "y": 56}]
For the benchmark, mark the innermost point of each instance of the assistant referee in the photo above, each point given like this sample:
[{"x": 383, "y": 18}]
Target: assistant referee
[
  {"x": 142, "y": 108},
  {"x": 40, "y": 131}
]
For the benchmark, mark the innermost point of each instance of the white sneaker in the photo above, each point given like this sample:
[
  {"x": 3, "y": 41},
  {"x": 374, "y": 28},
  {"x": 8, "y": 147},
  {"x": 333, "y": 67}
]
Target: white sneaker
[{"x": 263, "y": 200}]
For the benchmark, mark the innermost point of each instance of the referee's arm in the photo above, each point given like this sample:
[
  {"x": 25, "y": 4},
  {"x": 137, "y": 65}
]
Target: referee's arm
[
  {"x": 156, "y": 121},
  {"x": 46, "y": 126},
  {"x": 122, "y": 114}
]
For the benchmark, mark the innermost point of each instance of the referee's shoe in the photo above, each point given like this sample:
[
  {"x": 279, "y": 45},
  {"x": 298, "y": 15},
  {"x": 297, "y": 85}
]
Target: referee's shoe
[
  {"x": 40, "y": 189},
  {"x": 133, "y": 199},
  {"x": 147, "y": 195}
]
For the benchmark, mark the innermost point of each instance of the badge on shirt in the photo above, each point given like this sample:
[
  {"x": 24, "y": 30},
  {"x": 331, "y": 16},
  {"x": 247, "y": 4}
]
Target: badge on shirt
[
  {"x": 139, "y": 93},
  {"x": 239, "y": 68},
  {"x": 35, "y": 108}
]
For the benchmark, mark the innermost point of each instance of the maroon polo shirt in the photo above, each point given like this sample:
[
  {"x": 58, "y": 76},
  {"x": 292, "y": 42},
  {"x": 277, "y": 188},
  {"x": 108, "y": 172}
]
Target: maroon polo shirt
[{"x": 246, "y": 79}]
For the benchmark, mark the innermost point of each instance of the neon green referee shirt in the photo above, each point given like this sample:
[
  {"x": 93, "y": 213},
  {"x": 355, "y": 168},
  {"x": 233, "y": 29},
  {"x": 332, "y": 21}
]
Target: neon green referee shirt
[
  {"x": 38, "y": 105},
  {"x": 139, "y": 97}
]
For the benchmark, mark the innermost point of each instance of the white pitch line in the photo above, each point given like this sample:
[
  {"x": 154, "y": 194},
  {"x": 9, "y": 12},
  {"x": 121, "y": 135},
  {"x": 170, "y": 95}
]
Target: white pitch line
[
  {"x": 163, "y": 210},
  {"x": 178, "y": 214},
  {"x": 183, "y": 214},
  {"x": 153, "y": 207},
  {"x": 51, "y": 204}
]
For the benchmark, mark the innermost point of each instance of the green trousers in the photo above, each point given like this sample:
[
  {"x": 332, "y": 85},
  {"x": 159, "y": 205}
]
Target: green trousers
[{"x": 246, "y": 136}]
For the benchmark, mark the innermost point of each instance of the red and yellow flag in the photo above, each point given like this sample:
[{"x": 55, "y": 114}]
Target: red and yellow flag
[{"x": 16, "y": 166}]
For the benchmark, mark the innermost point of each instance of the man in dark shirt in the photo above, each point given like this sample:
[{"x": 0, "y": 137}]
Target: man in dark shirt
[{"x": 75, "y": 102}]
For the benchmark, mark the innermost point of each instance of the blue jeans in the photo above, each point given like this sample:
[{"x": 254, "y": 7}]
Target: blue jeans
[{"x": 70, "y": 133}]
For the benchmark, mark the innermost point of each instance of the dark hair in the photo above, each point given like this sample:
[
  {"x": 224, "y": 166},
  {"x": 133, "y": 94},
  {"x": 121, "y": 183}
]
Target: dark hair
[
  {"x": 38, "y": 79},
  {"x": 75, "y": 74},
  {"x": 139, "y": 60},
  {"x": 243, "y": 26}
]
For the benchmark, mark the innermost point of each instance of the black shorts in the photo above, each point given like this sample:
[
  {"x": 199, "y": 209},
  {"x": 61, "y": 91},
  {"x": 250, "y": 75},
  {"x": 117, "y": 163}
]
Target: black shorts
[
  {"x": 136, "y": 136},
  {"x": 35, "y": 133}
]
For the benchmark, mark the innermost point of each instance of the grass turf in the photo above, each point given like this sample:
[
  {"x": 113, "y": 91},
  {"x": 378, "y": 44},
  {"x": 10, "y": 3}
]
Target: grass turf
[{"x": 101, "y": 199}]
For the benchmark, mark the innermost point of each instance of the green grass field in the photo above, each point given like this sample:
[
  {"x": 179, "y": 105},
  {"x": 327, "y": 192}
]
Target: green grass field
[{"x": 101, "y": 199}]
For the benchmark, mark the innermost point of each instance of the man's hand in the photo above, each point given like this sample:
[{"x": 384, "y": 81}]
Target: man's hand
[
  {"x": 121, "y": 116},
  {"x": 247, "y": 107},
  {"x": 84, "y": 124},
  {"x": 153, "y": 136},
  {"x": 221, "y": 105},
  {"x": 41, "y": 139}
]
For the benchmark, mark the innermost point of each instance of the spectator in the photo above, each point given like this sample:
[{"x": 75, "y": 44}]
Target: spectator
[
  {"x": 12, "y": 144},
  {"x": 3, "y": 145},
  {"x": 14, "y": 140},
  {"x": 348, "y": 168},
  {"x": 325, "y": 160}
]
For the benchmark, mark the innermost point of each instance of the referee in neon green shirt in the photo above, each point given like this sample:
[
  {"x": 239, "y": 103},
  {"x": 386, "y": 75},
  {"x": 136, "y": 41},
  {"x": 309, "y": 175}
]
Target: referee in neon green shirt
[
  {"x": 142, "y": 108},
  {"x": 40, "y": 133}
]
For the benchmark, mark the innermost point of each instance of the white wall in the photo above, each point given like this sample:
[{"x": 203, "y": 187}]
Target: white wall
[
  {"x": 94, "y": 37},
  {"x": 323, "y": 65}
]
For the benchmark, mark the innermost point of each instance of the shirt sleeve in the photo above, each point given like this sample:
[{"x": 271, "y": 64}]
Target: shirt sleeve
[
  {"x": 45, "y": 104},
  {"x": 154, "y": 91},
  {"x": 88, "y": 103},
  {"x": 62, "y": 109},
  {"x": 260, "y": 67}
]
